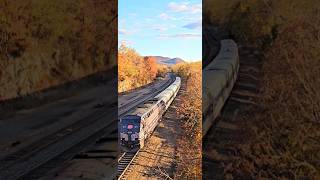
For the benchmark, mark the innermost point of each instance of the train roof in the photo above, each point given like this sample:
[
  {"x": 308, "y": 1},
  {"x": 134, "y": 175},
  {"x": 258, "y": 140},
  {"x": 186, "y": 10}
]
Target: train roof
[
  {"x": 130, "y": 116},
  {"x": 145, "y": 107},
  {"x": 148, "y": 105}
]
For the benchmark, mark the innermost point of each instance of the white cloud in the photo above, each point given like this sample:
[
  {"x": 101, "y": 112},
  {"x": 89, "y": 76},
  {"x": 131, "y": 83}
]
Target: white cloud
[
  {"x": 125, "y": 43},
  {"x": 128, "y": 32},
  {"x": 178, "y": 7},
  {"x": 165, "y": 16},
  {"x": 193, "y": 25},
  {"x": 181, "y": 35},
  {"x": 123, "y": 32},
  {"x": 185, "y": 7},
  {"x": 197, "y": 8}
]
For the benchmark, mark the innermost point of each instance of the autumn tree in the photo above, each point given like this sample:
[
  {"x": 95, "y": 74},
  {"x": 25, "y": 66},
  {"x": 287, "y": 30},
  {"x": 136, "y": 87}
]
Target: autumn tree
[
  {"x": 162, "y": 70},
  {"x": 134, "y": 70},
  {"x": 151, "y": 66},
  {"x": 47, "y": 43}
]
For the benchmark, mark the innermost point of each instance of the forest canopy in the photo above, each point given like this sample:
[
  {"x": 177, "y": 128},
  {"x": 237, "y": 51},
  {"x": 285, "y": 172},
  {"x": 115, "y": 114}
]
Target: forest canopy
[
  {"x": 46, "y": 43},
  {"x": 134, "y": 70}
]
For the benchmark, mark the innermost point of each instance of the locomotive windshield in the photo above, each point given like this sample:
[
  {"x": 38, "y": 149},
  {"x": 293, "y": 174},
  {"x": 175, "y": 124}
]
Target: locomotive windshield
[{"x": 130, "y": 123}]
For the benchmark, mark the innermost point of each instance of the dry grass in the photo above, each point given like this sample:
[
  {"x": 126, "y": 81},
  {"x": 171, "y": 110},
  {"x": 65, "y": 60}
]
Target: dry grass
[{"x": 190, "y": 143}]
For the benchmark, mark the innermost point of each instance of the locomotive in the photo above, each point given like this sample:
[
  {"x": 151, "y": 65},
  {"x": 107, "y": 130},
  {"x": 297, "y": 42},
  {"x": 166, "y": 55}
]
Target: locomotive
[
  {"x": 137, "y": 126},
  {"x": 219, "y": 78}
]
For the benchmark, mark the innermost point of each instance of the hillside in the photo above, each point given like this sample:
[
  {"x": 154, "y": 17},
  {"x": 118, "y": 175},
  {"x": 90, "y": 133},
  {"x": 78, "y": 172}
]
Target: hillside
[
  {"x": 167, "y": 61},
  {"x": 48, "y": 43},
  {"x": 283, "y": 141}
]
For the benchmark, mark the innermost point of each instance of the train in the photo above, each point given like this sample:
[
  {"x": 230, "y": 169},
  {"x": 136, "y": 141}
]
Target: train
[
  {"x": 136, "y": 127},
  {"x": 218, "y": 79}
]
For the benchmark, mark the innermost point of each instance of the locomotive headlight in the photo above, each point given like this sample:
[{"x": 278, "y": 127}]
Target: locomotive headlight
[
  {"x": 130, "y": 126},
  {"x": 134, "y": 137},
  {"x": 124, "y": 136}
]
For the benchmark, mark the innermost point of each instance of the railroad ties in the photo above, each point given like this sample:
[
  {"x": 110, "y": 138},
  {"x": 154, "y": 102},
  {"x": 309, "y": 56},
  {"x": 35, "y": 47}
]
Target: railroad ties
[
  {"x": 127, "y": 162},
  {"x": 124, "y": 163},
  {"x": 55, "y": 148},
  {"x": 219, "y": 77}
]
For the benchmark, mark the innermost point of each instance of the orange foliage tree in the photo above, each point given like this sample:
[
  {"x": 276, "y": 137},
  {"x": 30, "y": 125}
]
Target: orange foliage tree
[
  {"x": 151, "y": 66},
  {"x": 46, "y": 43},
  {"x": 134, "y": 70}
]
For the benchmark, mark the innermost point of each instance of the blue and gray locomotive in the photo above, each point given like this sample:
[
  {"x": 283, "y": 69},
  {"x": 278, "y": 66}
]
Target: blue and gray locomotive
[{"x": 138, "y": 125}]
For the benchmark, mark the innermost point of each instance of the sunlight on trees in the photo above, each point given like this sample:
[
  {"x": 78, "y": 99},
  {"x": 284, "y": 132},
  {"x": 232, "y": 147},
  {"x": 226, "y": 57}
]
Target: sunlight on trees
[
  {"x": 47, "y": 43},
  {"x": 134, "y": 70},
  {"x": 190, "y": 114}
]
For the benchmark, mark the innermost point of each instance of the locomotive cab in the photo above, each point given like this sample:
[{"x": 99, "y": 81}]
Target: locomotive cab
[{"x": 129, "y": 127}]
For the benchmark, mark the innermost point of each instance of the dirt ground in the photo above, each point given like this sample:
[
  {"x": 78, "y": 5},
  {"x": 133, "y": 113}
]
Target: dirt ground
[{"x": 157, "y": 159}]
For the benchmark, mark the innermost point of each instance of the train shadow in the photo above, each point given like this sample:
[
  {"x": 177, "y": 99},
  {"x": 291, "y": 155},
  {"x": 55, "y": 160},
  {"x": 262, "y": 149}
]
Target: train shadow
[
  {"x": 168, "y": 129},
  {"x": 167, "y": 133}
]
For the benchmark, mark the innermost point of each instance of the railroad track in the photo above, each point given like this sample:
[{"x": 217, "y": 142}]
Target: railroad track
[
  {"x": 124, "y": 163},
  {"x": 127, "y": 158},
  {"x": 226, "y": 133},
  {"x": 126, "y": 169},
  {"x": 38, "y": 158},
  {"x": 128, "y": 107},
  {"x": 27, "y": 161}
]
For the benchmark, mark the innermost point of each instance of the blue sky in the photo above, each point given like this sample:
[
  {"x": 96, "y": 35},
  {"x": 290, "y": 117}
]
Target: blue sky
[{"x": 162, "y": 27}]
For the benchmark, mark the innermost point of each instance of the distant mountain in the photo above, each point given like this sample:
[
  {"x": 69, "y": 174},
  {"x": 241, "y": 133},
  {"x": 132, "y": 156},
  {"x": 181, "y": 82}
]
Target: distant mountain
[
  {"x": 176, "y": 61},
  {"x": 168, "y": 61}
]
